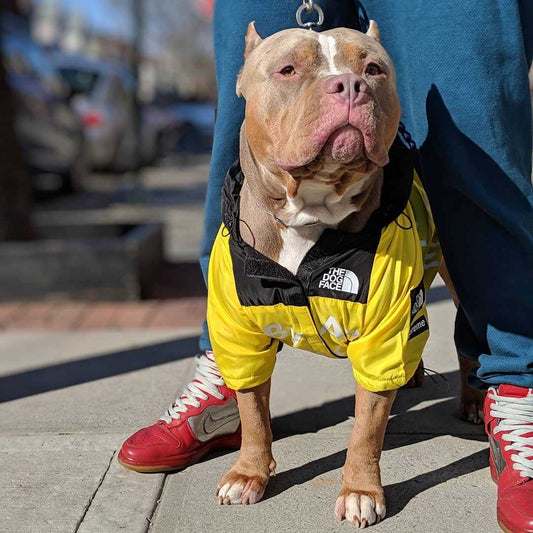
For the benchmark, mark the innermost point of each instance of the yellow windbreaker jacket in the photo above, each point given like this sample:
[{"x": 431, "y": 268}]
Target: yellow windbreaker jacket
[{"x": 356, "y": 296}]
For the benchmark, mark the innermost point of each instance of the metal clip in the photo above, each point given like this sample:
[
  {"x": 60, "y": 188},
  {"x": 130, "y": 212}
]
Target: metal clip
[{"x": 309, "y": 6}]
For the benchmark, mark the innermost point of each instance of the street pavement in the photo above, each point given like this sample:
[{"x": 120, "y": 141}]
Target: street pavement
[
  {"x": 69, "y": 399},
  {"x": 76, "y": 379}
]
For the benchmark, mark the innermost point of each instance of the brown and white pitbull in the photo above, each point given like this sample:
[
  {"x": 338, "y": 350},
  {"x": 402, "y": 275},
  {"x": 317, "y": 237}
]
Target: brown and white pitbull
[
  {"x": 321, "y": 105},
  {"x": 321, "y": 115}
]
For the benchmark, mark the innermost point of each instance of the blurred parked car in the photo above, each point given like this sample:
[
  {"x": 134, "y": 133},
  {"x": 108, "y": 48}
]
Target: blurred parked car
[
  {"x": 198, "y": 120},
  {"x": 102, "y": 94},
  {"x": 49, "y": 132},
  {"x": 160, "y": 131}
]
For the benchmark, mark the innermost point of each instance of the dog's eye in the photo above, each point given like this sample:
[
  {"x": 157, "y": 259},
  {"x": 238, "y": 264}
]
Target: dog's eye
[
  {"x": 373, "y": 70},
  {"x": 288, "y": 71}
]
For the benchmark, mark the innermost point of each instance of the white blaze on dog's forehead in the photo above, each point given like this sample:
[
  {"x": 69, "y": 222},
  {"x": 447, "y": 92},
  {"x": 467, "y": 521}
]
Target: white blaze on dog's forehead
[{"x": 328, "y": 46}]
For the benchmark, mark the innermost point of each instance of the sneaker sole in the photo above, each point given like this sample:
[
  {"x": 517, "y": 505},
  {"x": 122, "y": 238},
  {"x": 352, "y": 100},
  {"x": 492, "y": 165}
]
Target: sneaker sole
[
  {"x": 182, "y": 461},
  {"x": 503, "y": 528},
  {"x": 494, "y": 477}
]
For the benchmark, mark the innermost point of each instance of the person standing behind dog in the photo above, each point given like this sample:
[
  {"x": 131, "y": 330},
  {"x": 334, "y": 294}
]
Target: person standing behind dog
[{"x": 463, "y": 84}]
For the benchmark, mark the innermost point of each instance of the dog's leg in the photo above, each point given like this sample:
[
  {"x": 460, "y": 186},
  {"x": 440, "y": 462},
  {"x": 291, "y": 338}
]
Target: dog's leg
[
  {"x": 361, "y": 499},
  {"x": 246, "y": 482}
]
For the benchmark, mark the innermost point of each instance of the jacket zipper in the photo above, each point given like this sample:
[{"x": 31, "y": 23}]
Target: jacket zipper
[{"x": 308, "y": 305}]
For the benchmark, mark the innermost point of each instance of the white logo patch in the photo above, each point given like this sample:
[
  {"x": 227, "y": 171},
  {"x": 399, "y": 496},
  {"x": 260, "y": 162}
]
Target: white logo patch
[
  {"x": 418, "y": 302},
  {"x": 340, "y": 279}
]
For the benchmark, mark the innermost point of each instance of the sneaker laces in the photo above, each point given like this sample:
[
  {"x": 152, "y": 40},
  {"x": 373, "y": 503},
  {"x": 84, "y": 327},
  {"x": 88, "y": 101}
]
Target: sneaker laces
[
  {"x": 516, "y": 417},
  {"x": 206, "y": 381}
]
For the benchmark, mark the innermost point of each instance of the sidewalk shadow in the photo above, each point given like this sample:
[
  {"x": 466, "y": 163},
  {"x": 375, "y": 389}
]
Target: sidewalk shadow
[
  {"x": 399, "y": 494},
  {"x": 445, "y": 388},
  {"x": 313, "y": 419},
  {"x": 60, "y": 376}
]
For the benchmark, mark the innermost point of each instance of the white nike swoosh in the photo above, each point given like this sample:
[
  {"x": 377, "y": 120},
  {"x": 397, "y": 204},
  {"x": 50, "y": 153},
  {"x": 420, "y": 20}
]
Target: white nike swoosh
[{"x": 211, "y": 424}]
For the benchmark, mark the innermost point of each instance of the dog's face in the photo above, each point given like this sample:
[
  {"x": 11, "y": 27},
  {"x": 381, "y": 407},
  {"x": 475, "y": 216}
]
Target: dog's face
[{"x": 319, "y": 100}]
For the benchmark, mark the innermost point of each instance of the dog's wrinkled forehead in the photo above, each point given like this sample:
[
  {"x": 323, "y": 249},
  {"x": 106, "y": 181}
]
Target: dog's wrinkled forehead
[{"x": 337, "y": 51}]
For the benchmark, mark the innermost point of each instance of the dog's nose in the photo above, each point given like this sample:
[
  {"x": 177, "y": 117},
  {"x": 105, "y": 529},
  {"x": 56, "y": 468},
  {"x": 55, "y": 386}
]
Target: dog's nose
[{"x": 348, "y": 88}]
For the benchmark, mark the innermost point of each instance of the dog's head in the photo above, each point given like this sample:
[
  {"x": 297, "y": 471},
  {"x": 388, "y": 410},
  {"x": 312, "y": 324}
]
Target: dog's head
[{"x": 317, "y": 101}]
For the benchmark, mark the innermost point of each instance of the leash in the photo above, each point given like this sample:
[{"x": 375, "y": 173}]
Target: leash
[{"x": 308, "y": 6}]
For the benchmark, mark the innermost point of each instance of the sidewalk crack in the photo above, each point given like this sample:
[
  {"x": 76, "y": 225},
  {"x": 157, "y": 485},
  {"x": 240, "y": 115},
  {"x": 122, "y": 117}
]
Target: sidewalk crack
[
  {"x": 150, "y": 519},
  {"x": 93, "y": 495}
]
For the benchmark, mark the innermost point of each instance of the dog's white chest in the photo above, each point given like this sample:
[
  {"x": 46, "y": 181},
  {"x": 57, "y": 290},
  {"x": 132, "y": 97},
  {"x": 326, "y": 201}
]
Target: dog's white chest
[
  {"x": 315, "y": 207},
  {"x": 296, "y": 243}
]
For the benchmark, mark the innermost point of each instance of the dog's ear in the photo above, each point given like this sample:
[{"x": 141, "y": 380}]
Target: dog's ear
[
  {"x": 373, "y": 30},
  {"x": 252, "y": 39}
]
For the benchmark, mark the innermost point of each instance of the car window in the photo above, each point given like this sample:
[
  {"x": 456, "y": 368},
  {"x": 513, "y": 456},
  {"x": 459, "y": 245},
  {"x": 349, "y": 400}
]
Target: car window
[{"x": 79, "y": 81}]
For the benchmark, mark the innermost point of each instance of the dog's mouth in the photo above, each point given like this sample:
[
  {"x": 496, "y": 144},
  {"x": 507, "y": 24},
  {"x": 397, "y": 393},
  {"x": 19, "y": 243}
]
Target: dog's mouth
[{"x": 344, "y": 145}]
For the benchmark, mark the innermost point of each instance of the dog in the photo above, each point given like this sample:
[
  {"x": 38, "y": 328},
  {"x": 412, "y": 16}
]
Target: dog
[{"x": 315, "y": 251}]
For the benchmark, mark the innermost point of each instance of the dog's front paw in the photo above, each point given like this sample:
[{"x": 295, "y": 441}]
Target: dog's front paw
[
  {"x": 237, "y": 487},
  {"x": 360, "y": 507}
]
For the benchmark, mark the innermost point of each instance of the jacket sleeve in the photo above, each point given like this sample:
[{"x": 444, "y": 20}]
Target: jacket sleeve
[
  {"x": 395, "y": 326},
  {"x": 244, "y": 354}
]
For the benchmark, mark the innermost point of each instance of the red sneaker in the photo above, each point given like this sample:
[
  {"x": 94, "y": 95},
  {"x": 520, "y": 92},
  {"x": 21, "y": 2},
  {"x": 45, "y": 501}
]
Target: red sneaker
[
  {"x": 205, "y": 418},
  {"x": 509, "y": 425}
]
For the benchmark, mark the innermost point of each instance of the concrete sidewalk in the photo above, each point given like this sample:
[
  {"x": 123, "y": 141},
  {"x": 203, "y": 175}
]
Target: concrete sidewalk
[{"x": 69, "y": 398}]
